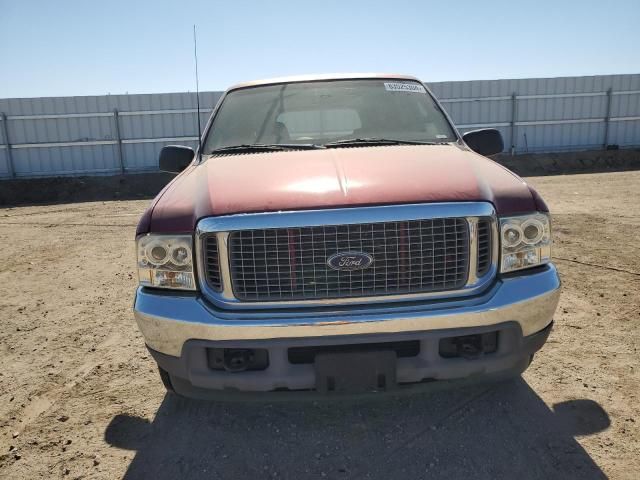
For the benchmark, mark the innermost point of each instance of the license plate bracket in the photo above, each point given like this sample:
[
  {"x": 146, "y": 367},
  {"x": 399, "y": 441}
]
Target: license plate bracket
[{"x": 356, "y": 372}]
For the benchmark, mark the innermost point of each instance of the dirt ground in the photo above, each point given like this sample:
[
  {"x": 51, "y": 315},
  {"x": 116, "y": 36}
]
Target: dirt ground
[{"x": 80, "y": 396}]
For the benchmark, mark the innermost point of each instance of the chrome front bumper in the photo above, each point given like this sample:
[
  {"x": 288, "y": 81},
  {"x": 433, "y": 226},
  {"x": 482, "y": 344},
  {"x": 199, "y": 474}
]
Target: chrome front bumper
[{"x": 168, "y": 320}]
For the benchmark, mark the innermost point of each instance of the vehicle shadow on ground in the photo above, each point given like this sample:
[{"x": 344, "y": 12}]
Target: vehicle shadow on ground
[{"x": 497, "y": 431}]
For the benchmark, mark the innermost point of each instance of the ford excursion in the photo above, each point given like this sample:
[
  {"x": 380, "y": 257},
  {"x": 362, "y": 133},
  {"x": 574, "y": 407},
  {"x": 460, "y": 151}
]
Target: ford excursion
[{"x": 337, "y": 234}]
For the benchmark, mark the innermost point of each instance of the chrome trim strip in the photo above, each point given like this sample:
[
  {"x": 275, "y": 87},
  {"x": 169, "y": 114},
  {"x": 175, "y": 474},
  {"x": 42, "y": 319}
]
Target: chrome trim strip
[
  {"x": 341, "y": 216},
  {"x": 495, "y": 244},
  {"x": 472, "y": 278},
  {"x": 225, "y": 274},
  {"x": 344, "y": 216}
]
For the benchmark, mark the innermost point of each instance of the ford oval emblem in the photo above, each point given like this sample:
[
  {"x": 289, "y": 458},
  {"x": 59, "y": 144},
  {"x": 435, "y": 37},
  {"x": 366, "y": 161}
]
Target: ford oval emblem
[{"x": 350, "y": 261}]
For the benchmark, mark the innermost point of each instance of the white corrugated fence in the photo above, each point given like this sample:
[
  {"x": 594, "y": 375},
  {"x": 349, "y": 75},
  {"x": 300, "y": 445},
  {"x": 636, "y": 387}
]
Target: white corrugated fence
[{"x": 124, "y": 133}]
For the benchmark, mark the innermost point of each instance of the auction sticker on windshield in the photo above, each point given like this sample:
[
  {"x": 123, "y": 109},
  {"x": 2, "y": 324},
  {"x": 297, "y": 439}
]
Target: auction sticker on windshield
[{"x": 404, "y": 87}]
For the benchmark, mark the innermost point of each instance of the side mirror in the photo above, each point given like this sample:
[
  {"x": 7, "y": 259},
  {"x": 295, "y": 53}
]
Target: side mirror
[
  {"x": 486, "y": 141},
  {"x": 175, "y": 158}
]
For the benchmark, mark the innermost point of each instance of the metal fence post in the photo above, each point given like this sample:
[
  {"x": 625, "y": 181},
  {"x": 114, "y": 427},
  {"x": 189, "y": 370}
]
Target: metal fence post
[
  {"x": 116, "y": 124},
  {"x": 607, "y": 118},
  {"x": 514, "y": 114},
  {"x": 7, "y": 144}
]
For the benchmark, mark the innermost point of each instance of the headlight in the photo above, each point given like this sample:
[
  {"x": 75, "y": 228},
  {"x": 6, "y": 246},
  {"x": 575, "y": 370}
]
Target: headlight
[
  {"x": 525, "y": 241},
  {"x": 166, "y": 261}
]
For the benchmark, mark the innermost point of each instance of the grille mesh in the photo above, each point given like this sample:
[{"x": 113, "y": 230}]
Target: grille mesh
[
  {"x": 212, "y": 263},
  {"x": 484, "y": 246},
  {"x": 291, "y": 264}
]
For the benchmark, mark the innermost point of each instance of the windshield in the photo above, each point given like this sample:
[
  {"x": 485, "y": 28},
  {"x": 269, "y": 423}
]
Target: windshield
[{"x": 319, "y": 113}]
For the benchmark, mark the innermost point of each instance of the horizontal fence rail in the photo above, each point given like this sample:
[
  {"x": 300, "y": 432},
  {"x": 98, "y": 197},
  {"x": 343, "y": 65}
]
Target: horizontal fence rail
[
  {"x": 63, "y": 136},
  {"x": 515, "y": 123}
]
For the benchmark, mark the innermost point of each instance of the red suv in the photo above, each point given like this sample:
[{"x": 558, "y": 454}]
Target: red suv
[{"x": 338, "y": 234}]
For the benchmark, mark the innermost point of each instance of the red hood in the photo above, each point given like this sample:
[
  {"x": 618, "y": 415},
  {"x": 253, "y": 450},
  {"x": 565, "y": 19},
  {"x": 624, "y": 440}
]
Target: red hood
[{"x": 342, "y": 177}]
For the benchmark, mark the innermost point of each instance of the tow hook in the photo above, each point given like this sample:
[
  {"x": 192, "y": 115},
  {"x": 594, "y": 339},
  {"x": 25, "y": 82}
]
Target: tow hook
[
  {"x": 469, "y": 347},
  {"x": 237, "y": 360}
]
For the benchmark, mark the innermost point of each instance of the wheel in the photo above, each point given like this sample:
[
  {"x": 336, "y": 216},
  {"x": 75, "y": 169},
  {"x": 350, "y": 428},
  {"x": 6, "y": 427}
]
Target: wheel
[{"x": 166, "y": 379}]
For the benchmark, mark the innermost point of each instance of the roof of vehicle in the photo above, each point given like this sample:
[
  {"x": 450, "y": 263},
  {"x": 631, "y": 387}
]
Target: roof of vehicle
[{"x": 320, "y": 77}]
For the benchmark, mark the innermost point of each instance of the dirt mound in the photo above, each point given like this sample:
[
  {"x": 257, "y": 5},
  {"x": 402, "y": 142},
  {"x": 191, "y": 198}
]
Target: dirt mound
[
  {"x": 600, "y": 161},
  {"x": 82, "y": 189}
]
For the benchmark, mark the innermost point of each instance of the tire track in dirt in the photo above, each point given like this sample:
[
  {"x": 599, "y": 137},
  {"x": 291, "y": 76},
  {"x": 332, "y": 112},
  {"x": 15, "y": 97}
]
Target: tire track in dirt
[
  {"x": 43, "y": 402},
  {"x": 595, "y": 265}
]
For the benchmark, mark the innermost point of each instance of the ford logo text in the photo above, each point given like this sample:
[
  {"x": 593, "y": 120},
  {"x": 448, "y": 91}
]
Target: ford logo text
[{"x": 350, "y": 261}]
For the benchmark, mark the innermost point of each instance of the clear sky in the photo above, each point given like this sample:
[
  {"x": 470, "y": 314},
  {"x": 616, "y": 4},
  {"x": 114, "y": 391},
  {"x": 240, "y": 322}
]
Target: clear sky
[{"x": 87, "y": 47}]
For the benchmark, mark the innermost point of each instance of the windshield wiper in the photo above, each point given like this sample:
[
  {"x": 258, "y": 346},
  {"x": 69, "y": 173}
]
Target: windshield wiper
[
  {"x": 265, "y": 147},
  {"x": 377, "y": 141}
]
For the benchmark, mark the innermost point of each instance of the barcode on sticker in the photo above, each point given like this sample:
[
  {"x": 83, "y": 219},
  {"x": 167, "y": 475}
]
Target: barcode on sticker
[{"x": 404, "y": 87}]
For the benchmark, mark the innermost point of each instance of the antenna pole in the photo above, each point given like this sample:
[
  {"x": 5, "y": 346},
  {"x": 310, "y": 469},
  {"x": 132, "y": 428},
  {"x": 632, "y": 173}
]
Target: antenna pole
[{"x": 195, "y": 55}]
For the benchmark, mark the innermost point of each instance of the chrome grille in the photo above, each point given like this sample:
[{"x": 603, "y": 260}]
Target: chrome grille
[
  {"x": 212, "y": 263},
  {"x": 484, "y": 246},
  {"x": 411, "y": 256}
]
